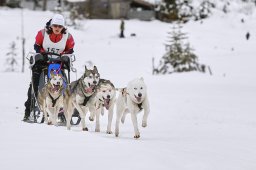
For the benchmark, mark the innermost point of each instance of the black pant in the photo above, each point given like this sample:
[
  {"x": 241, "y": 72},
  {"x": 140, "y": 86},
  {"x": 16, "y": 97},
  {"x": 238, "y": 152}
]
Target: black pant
[
  {"x": 36, "y": 72},
  {"x": 35, "y": 79},
  {"x": 122, "y": 34}
]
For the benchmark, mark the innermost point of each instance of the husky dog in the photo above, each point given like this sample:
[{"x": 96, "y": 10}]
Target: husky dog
[
  {"x": 132, "y": 99},
  {"x": 104, "y": 98},
  {"x": 50, "y": 98},
  {"x": 79, "y": 96}
]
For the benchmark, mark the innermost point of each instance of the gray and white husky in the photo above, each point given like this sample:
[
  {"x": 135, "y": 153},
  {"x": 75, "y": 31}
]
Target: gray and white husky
[
  {"x": 79, "y": 94},
  {"x": 132, "y": 99},
  {"x": 50, "y": 98},
  {"x": 105, "y": 97}
]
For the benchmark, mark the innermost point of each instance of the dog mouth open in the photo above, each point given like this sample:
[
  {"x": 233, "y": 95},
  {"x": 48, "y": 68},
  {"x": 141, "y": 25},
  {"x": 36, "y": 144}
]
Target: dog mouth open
[
  {"x": 56, "y": 88},
  {"x": 90, "y": 88},
  {"x": 106, "y": 103},
  {"x": 137, "y": 98}
]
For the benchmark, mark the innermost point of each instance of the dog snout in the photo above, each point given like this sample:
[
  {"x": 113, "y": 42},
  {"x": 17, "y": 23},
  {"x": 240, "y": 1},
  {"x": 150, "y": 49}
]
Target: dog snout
[
  {"x": 58, "y": 83},
  {"x": 139, "y": 94},
  {"x": 94, "y": 82},
  {"x": 108, "y": 96}
]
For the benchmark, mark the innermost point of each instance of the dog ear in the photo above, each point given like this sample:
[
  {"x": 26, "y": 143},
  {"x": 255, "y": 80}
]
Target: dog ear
[
  {"x": 51, "y": 73},
  {"x": 85, "y": 68},
  {"x": 142, "y": 79},
  {"x": 95, "y": 69}
]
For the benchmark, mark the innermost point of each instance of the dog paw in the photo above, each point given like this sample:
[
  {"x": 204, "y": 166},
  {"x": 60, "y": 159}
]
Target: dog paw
[
  {"x": 116, "y": 133},
  {"x": 49, "y": 123},
  {"x": 136, "y": 136},
  {"x": 68, "y": 128},
  {"x": 109, "y": 132},
  {"x": 85, "y": 129},
  {"x": 91, "y": 118},
  {"x": 144, "y": 124},
  {"x": 97, "y": 130}
]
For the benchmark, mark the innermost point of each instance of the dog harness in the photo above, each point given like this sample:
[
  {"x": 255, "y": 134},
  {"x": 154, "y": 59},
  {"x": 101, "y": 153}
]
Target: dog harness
[
  {"x": 86, "y": 98},
  {"x": 140, "y": 106},
  {"x": 54, "y": 100}
]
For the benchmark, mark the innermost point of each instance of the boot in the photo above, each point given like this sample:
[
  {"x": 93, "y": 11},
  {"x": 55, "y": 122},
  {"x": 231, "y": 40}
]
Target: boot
[{"x": 26, "y": 117}]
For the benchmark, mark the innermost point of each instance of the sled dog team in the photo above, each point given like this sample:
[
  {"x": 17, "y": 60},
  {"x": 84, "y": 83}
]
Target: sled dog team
[{"x": 92, "y": 94}]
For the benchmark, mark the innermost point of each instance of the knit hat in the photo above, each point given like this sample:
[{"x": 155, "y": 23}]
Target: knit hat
[{"x": 58, "y": 19}]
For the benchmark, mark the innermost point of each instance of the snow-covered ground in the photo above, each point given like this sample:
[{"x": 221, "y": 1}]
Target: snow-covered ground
[{"x": 197, "y": 121}]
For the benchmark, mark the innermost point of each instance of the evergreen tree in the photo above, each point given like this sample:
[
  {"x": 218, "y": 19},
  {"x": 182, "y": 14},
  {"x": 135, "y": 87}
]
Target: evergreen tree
[
  {"x": 205, "y": 9},
  {"x": 11, "y": 61},
  {"x": 173, "y": 10},
  {"x": 179, "y": 56}
]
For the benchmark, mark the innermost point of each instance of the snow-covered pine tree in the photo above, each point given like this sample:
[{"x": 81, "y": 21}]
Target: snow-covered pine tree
[
  {"x": 173, "y": 10},
  {"x": 179, "y": 56},
  {"x": 205, "y": 8},
  {"x": 74, "y": 18},
  {"x": 11, "y": 60}
]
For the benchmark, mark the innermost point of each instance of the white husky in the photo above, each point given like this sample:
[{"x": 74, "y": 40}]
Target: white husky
[
  {"x": 105, "y": 98},
  {"x": 132, "y": 99}
]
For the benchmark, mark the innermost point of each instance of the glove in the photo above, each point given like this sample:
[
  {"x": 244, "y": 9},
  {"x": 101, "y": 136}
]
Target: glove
[{"x": 45, "y": 56}]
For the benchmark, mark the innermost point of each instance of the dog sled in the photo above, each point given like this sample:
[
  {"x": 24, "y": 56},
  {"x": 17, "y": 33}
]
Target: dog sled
[{"x": 63, "y": 63}]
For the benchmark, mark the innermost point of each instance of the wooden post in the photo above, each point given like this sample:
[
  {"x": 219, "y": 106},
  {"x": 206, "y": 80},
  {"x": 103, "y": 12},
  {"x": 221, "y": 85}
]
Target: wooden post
[
  {"x": 23, "y": 41},
  {"x": 44, "y": 5},
  {"x": 210, "y": 71}
]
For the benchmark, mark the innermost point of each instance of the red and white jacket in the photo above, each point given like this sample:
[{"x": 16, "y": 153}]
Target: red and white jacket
[{"x": 60, "y": 44}]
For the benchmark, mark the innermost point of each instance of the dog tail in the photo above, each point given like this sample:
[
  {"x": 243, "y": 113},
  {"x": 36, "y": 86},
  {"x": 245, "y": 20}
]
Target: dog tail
[{"x": 122, "y": 90}]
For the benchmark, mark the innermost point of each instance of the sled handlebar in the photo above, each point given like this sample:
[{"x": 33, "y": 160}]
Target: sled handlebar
[
  {"x": 52, "y": 57},
  {"x": 72, "y": 58}
]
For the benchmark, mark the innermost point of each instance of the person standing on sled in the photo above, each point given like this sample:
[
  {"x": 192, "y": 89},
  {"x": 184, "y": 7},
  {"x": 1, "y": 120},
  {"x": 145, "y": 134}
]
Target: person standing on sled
[{"x": 54, "y": 38}]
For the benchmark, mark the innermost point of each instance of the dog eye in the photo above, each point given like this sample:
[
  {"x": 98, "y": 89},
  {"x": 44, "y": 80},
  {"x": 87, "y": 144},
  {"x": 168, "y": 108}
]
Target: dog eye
[
  {"x": 109, "y": 90},
  {"x": 141, "y": 88},
  {"x": 90, "y": 77},
  {"x": 104, "y": 91},
  {"x": 135, "y": 88}
]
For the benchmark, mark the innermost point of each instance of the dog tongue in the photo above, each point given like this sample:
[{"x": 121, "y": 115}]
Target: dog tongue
[
  {"x": 88, "y": 90},
  {"x": 55, "y": 88},
  {"x": 138, "y": 98},
  {"x": 106, "y": 103}
]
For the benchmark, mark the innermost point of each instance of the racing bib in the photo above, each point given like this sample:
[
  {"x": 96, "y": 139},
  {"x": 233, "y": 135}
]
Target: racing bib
[{"x": 56, "y": 48}]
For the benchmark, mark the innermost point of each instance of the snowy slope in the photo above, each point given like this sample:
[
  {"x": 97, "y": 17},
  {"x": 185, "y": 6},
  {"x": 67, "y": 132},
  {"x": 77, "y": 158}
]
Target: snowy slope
[{"x": 197, "y": 121}]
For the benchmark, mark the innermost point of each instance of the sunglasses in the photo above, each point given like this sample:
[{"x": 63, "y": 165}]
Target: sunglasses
[{"x": 59, "y": 26}]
